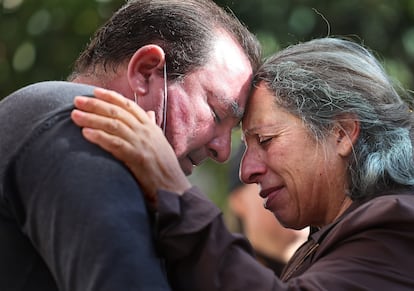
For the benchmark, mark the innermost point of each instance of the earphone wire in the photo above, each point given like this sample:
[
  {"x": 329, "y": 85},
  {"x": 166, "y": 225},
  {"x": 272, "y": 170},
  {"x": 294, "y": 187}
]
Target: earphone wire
[{"x": 164, "y": 121}]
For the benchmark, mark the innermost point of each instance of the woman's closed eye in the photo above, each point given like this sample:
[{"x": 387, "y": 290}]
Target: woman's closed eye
[{"x": 265, "y": 139}]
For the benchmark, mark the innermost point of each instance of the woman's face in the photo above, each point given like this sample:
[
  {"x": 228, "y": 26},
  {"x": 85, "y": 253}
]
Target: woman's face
[{"x": 301, "y": 181}]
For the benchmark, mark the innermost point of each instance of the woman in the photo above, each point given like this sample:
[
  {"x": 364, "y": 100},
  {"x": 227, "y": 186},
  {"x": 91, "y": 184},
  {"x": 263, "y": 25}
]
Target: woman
[{"x": 329, "y": 143}]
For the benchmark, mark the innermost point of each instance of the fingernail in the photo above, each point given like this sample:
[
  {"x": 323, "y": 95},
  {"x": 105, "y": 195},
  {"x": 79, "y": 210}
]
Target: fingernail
[{"x": 80, "y": 100}]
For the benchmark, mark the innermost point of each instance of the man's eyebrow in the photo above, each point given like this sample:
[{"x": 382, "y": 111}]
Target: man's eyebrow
[{"x": 237, "y": 112}]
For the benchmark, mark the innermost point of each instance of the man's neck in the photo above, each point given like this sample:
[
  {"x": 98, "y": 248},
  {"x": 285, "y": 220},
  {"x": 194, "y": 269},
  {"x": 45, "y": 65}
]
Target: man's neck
[{"x": 113, "y": 82}]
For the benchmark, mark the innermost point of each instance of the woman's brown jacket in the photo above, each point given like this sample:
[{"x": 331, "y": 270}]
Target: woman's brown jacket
[{"x": 370, "y": 247}]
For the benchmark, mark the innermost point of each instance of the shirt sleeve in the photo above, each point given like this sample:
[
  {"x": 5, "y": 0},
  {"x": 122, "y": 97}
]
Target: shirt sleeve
[
  {"x": 84, "y": 213},
  {"x": 366, "y": 251},
  {"x": 201, "y": 253}
]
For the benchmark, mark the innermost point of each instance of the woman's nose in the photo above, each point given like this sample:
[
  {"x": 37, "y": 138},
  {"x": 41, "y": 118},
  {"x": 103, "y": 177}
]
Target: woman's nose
[{"x": 250, "y": 167}]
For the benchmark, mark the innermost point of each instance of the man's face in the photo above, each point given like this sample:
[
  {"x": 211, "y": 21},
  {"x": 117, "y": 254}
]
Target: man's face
[{"x": 206, "y": 104}]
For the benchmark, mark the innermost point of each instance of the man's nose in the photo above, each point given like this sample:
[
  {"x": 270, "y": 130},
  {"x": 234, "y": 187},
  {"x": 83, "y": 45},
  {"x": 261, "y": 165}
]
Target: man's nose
[{"x": 219, "y": 148}]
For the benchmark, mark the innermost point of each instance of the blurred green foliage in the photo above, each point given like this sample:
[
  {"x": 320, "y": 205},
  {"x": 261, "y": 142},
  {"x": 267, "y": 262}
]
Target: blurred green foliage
[{"x": 40, "y": 39}]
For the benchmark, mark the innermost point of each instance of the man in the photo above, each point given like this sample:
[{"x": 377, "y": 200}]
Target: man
[{"x": 71, "y": 216}]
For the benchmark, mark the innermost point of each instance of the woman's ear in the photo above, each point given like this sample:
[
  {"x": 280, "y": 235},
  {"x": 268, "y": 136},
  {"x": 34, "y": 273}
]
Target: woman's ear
[
  {"x": 346, "y": 133},
  {"x": 146, "y": 62}
]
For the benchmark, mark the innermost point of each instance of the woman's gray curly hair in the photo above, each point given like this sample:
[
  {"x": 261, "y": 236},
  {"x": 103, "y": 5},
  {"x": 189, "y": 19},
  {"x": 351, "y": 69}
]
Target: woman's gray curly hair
[{"x": 326, "y": 79}]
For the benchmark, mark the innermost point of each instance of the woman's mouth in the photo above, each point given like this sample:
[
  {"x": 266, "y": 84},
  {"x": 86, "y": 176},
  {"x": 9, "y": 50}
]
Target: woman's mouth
[{"x": 269, "y": 195}]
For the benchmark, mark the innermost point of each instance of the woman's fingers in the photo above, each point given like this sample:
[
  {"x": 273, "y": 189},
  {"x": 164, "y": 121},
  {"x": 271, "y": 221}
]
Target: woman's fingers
[
  {"x": 110, "y": 125},
  {"x": 114, "y": 98},
  {"x": 122, "y": 128},
  {"x": 114, "y": 127},
  {"x": 104, "y": 109},
  {"x": 151, "y": 115},
  {"x": 122, "y": 149}
]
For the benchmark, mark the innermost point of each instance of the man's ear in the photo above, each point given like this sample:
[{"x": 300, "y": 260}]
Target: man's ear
[
  {"x": 346, "y": 133},
  {"x": 146, "y": 62}
]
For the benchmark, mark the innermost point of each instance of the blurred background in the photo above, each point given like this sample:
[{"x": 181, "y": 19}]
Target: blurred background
[{"x": 40, "y": 39}]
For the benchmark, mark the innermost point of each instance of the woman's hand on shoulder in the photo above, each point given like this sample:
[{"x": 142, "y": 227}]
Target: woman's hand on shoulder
[{"x": 121, "y": 127}]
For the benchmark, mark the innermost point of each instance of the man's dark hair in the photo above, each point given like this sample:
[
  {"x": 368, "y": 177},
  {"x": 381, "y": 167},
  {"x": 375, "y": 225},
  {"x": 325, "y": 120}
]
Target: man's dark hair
[{"x": 183, "y": 28}]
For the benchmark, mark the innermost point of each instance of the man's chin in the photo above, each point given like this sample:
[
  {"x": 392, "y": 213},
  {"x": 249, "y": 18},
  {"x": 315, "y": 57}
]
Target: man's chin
[{"x": 188, "y": 173}]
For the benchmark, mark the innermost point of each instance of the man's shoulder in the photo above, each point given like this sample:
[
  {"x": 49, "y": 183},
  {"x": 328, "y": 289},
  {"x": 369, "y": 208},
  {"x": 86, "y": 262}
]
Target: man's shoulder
[
  {"x": 52, "y": 90},
  {"x": 28, "y": 108},
  {"x": 36, "y": 100}
]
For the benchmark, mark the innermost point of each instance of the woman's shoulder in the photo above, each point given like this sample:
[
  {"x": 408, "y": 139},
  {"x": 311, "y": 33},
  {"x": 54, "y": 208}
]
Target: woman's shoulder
[
  {"x": 371, "y": 244},
  {"x": 393, "y": 212},
  {"x": 371, "y": 226},
  {"x": 385, "y": 208}
]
